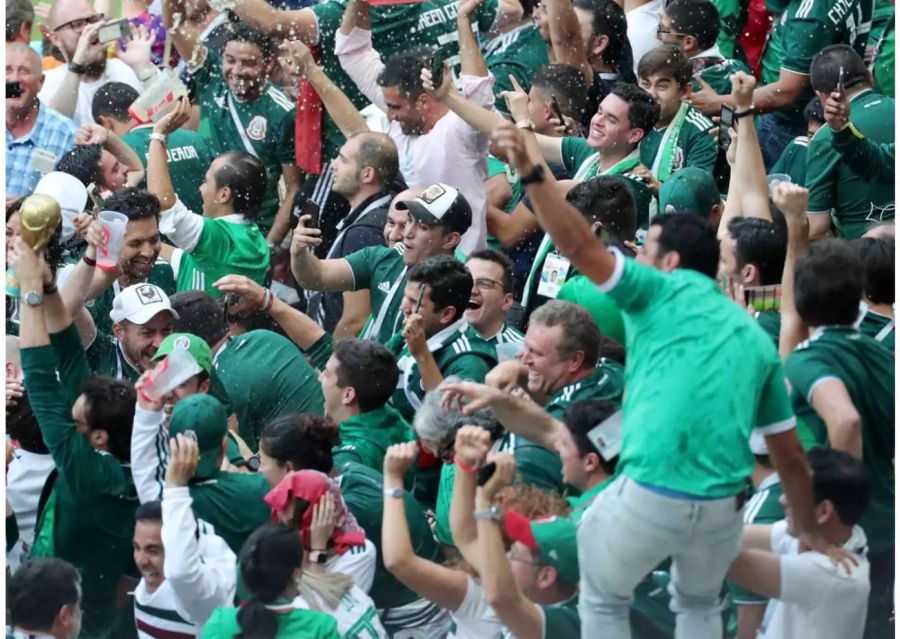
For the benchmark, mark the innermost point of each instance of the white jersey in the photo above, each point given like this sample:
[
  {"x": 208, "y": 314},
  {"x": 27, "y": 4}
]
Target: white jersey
[
  {"x": 475, "y": 619},
  {"x": 25, "y": 479},
  {"x": 358, "y": 562},
  {"x": 356, "y": 615},
  {"x": 116, "y": 71}
]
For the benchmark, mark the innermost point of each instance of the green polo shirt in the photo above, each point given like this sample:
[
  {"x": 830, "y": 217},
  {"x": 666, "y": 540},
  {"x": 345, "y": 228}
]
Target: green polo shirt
[
  {"x": 866, "y": 368},
  {"x": 381, "y": 270},
  {"x": 366, "y": 437},
  {"x": 266, "y": 376},
  {"x": 188, "y": 156},
  {"x": 793, "y": 160},
  {"x": 520, "y": 53},
  {"x": 701, "y": 375},
  {"x": 266, "y": 126},
  {"x": 854, "y": 202}
]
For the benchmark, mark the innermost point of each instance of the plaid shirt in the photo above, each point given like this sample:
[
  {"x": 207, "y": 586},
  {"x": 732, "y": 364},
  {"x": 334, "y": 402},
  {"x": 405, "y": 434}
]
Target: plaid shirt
[{"x": 52, "y": 132}]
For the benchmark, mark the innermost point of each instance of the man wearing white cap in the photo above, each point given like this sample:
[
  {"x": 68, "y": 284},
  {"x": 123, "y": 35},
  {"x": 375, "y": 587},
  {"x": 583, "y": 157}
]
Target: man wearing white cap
[{"x": 142, "y": 316}]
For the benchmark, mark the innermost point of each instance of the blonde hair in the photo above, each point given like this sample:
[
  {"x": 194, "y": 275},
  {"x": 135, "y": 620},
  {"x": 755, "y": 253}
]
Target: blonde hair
[{"x": 323, "y": 590}]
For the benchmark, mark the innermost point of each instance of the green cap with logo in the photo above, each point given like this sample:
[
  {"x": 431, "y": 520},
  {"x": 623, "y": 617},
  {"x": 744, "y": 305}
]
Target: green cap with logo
[
  {"x": 194, "y": 345},
  {"x": 206, "y": 417},
  {"x": 689, "y": 190},
  {"x": 556, "y": 538}
]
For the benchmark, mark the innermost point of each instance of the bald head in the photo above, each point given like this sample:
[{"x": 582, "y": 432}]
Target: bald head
[
  {"x": 64, "y": 11},
  {"x": 378, "y": 151}
]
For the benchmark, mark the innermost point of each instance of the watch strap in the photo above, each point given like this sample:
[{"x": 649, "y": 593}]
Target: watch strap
[
  {"x": 318, "y": 557},
  {"x": 162, "y": 138},
  {"x": 396, "y": 493},
  {"x": 77, "y": 69},
  {"x": 743, "y": 114},
  {"x": 490, "y": 513},
  {"x": 33, "y": 298},
  {"x": 534, "y": 176}
]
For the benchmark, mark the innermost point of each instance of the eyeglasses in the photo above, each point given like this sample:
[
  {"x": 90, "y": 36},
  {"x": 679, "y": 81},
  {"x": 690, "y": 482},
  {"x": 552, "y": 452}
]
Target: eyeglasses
[
  {"x": 661, "y": 31},
  {"x": 487, "y": 284},
  {"x": 80, "y": 23}
]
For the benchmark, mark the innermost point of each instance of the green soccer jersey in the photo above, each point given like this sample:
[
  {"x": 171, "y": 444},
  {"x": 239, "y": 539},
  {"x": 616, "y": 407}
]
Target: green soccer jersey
[
  {"x": 582, "y": 291},
  {"x": 105, "y": 357},
  {"x": 729, "y": 20},
  {"x": 718, "y": 76},
  {"x": 499, "y": 167},
  {"x": 506, "y": 335},
  {"x": 456, "y": 350},
  {"x": 866, "y": 368},
  {"x": 227, "y": 245},
  {"x": 519, "y": 53},
  {"x": 854, "y": 202},
  {"x": 395, "y": 28},
  {"x": 363, "y": 490},
  {"x": 266, "y": 376},
  {"x": 793, "y": 160},
  {"x": 693, "y": 146},
  {"x": 366, "y": 437},
  {"x": 804, "y": 29},
  {"x": 763, "y": 507},
  {"x": 606, "y": 381},
  {"x": 293, "y": 623},
  {"x": 770, "y": 321},
  {"x": 879, "y": 327},
  {"x": 161, "y": 275},
  {"x": 263, "y": 127},
  {"x": 381, "y": 270},
  {"x": 689, "y": 346},
  {"x": 885, "y": 58},
  {"x": 233, "y": 504},
  {"x": 188, "y": 155}
]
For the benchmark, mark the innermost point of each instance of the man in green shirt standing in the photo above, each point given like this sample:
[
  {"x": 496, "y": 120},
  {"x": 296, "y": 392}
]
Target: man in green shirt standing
[
  {"x": 675, "y": 463},
  {"x": 225, "y": 238},
  {"x": 187, "y": 152},
  {"x": 837, "y": 194},
  {"x": 843, "y": 389},
  {"x": 357, "y": 383},
  {"x": 438, "y": 218}
]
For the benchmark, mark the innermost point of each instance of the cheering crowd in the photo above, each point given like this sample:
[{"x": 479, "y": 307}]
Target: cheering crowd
[{"x": 478, "y": 319}]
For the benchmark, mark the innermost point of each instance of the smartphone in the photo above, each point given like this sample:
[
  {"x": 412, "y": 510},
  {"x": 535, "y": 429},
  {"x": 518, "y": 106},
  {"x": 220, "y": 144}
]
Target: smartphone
[
  {"x": 304, "y": 206},
  {"x": 726, "y": 121},
  {"x": 763, "y": 298},
  {"x": 554, "y": 106},
  {"x": 421, "y": 298},
  {"x": 113, "y": 30},
  {"x": 94, "y": 194},
  {"x": 437, "y": 69},
  {"x": 13, "y": 90},
  {"x": 840, "y": 82},
  {"x": 486, "y": 472}
]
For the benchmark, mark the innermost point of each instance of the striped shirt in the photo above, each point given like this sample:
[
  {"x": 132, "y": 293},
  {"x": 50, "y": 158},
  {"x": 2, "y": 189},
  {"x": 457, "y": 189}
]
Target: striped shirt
[{"x": 51, "y": 136}]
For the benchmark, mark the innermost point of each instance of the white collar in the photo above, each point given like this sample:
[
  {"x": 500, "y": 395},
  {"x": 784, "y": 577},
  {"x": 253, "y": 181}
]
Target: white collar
[
  {"x": 768, "y": 482},
  {"x": 234, "y": 218},
  {"x": 437, "y": 340},
  {"x": 712, "y": 52}
]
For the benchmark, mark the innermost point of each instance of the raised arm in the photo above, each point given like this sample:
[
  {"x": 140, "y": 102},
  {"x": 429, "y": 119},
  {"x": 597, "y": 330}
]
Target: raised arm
[
  {"x": 358, "y": 58},
  {"x": 791, "y": 200},
  {"x": 470, "y": 450},
  {"x": 867, "y": 159},
  {"x": 300, "y": 24},
  {"x": 471, "y": 60},
  {"x": 96, "y": 134},
  {"x": 565, "y": 37},
  {"x": 185, "y": 35},
  {"x": 331, "y": 276},
  {"x": 66, "y": 97},
  {"x": 159, "y": 182},
  {"x": 149, "y": 450}
]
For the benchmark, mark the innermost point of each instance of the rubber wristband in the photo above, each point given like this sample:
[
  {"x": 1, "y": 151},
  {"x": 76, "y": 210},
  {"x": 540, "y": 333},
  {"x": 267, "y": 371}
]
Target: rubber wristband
[
  {"x": 88, "y": 261},
  {"x": 463, "y": 466}
]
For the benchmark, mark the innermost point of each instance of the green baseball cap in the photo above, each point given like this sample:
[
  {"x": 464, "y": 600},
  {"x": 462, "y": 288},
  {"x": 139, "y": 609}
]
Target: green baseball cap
[
  {"x": 689, "y": 190},
  {"x": 554, "y": 537},
  {"x": 197, "y": 347},
  {"x": 205, "y": 416}
]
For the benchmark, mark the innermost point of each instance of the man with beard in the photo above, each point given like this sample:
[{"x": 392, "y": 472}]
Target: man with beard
[
  {"x": 72, "y": 27},
  {"x": 36, "y": 135},
  {"x": 138, "y": 260}
]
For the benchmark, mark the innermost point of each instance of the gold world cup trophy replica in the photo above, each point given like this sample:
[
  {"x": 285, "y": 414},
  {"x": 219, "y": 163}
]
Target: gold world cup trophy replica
[{"x": 39, "y": 217}]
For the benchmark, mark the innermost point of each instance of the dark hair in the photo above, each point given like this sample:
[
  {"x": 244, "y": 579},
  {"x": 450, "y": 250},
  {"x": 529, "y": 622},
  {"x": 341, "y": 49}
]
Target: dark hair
[
  {"x": 378, "y": 151},
  {"x": 609, "y": 20},
  {"x": 877, "y": 257},
  {"x": 842, "y": 479},
  {"x": 566, "y": 83},
  {"x": 692, "y": 238},
  {"x": 500, "y": 258},
  {"x": 826, "y": 65},
  {"x": 814, "y": 112},
  {"x": 608, "y": 200},
  {"x": 149, "y": 511},
  {"x": 112, "y": 101},
  {"x": 580, "y": 418},
  {"x": 304, "y": 439},
  {"x": 18, "y": 14},
  {"x": 369, "y": 368},
  {"x": 449, "y": 280},
  {"x": 38, "y": 590},
  {"x": 404, "y": 70},
  {"x": 137, "y": 204},
  {"x": 246, "y": 176},
  {"x": 828, "y": 284},
  {"x": 577, "y": 327},
  {"x": 200, "y": 314},
  {"x": 83, "y": 162},
  {"x": 698, "y": 18},
  {"x": 268, "y": 560},
  {"x": 643, "y": 111},
  {"x": 109, "y": 406},
  {"x": 251, "y": 318},
  {"x": 242, "y": 32},
  {"x": 666, "y": 60},
  {"x": 761, "y": 243},
  {"x": 22, "y": 425}
]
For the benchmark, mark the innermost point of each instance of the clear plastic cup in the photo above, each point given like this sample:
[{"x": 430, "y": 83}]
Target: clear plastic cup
[
  {"x": 775, "y": 179},
  {"x": 172, "y": 371},
  {"x": 112, "y": 225},
  {"x": 509, "y": 350},
  {"x": 158, "y": 98}
]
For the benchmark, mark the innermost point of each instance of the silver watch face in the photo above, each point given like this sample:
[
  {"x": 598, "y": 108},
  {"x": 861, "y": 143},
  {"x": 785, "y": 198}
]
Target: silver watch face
[{"x": 33, "y": 298}]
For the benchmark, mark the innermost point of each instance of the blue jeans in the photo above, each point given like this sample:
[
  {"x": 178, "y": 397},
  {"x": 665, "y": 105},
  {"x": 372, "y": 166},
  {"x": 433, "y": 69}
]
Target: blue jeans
[
  {"x": 774, "y": 135},
  {"x": 628, "y": 531}
]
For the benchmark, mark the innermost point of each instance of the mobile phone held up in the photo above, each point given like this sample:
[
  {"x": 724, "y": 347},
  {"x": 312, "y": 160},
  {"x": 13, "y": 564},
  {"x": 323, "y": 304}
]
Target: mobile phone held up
[
  {"x": 726, "y": 121},
  {"x": 113, "y": 30},
  {"x": 13, "y": 90},
  {"x": 840, "y": 83},
  {"x": 437, "y": 69}
]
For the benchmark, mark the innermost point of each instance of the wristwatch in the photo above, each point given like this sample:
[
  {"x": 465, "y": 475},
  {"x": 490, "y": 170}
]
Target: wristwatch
[
  {"x": 744, "y": 114},
  {"x": 33, "y": 298},
  {"x": 491, "y": 513},
  {"x": 77, "y": 69},
  {"x": 534, "y": 176},
  {"x": 396, "y": 493},
  {"x": 527, "y": 124},
  {"x": 162, "y": 138},
  {"x": 318, "y": 556}
]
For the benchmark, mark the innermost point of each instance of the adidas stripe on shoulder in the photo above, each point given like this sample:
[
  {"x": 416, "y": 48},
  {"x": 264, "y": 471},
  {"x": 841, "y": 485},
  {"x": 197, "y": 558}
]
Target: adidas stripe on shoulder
[
  {"x": 699, "y": 120},
  {"x": 279, "y": 98}
]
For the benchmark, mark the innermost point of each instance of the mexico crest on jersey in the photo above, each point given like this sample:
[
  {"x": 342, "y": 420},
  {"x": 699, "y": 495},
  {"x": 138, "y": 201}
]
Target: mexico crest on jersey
[{"x": 256, "y": 130}]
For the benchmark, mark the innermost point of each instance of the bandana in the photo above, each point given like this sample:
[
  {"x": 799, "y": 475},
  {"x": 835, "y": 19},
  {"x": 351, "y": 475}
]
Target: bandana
[{"x": 311, "y": 486}]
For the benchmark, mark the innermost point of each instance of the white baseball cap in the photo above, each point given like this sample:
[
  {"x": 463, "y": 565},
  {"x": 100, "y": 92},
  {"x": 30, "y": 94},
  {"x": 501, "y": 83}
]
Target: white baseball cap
[
  {"x": 440, "y": 205},
  {"x": 69, "y": 193},
  {"x": 139, "y": 303}
]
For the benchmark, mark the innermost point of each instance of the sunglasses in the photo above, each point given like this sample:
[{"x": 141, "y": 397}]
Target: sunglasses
[{"x": 80, "y": 23}]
